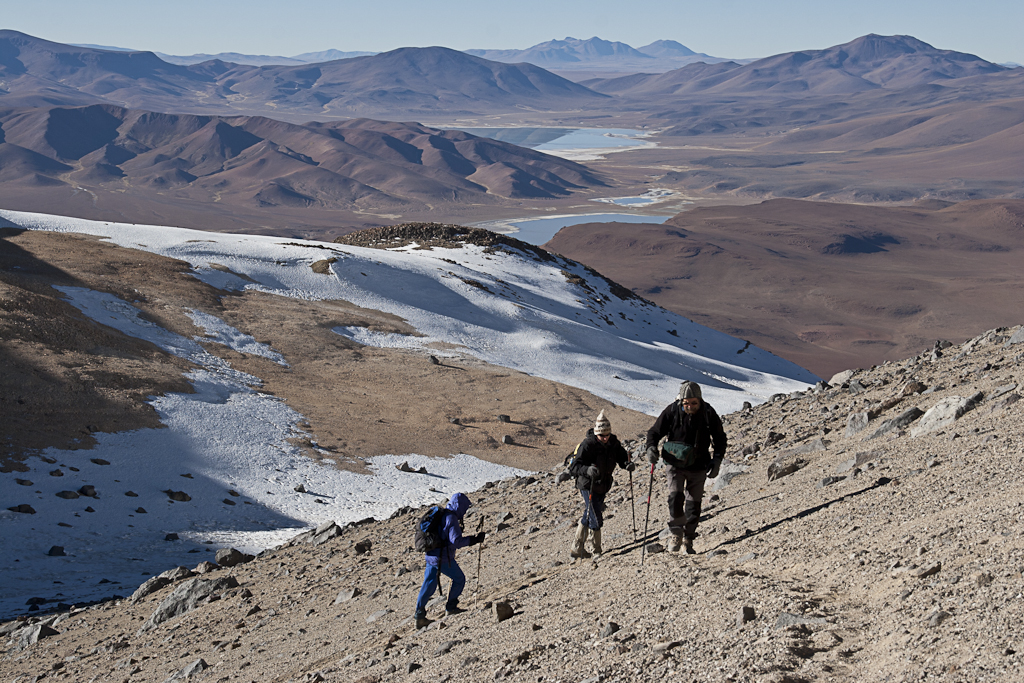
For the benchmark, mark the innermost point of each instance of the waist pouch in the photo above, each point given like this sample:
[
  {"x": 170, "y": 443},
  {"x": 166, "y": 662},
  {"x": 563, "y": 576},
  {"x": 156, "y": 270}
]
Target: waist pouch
[{"x": 680, "y": 455}]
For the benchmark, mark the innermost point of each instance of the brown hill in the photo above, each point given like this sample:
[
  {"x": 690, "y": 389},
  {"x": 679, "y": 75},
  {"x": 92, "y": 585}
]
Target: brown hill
[
  {"x": 406, "y": 83},
  {"x": 131, "y": 160},
  {"x": 827, "y": 286}
]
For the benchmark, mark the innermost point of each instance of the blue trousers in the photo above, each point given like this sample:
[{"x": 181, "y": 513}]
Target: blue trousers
[{"x": 430, "y": 580}]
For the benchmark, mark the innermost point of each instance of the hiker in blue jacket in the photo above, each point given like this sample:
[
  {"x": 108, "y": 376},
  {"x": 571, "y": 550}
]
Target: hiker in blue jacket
[{"x": 442, "y": 560}]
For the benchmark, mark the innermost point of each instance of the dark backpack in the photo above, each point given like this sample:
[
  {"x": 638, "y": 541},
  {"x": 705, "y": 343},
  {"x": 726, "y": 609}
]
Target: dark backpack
[
  {"x": 428, "y": 530},
  {"x": 573, "y": 458}
]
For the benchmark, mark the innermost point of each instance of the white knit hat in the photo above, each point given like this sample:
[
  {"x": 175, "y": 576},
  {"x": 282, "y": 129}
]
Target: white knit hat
[{"x": 603, "y": 425}]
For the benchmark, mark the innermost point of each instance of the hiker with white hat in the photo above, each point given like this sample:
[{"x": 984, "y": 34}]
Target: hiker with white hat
[
  {"x": 690, "y": 426},
  {"x": 592, "y": 463}
]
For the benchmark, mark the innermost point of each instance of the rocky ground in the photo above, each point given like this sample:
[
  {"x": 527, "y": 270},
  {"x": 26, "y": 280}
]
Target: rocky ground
[{"x": 865, "y": 530}]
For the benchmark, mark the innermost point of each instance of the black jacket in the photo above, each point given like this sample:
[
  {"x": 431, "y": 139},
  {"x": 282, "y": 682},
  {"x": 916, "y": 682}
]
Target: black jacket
[
  {"x": 699, "y": 430},
  {"x": 605, "y": 456}
]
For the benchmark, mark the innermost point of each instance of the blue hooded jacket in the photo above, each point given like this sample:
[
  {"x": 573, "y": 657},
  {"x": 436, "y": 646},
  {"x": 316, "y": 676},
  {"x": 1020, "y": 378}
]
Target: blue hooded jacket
[{"x": 457, "y": 505}]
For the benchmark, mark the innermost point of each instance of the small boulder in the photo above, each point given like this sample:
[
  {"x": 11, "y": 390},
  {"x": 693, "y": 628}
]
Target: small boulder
[
  {"x": 229, "y": 557},
  {"x": 56, "y": 551},
  {"x": 746, "y": 614},
  {"x": 205, "y": 567},
  {"x": 68, "y": 495},
  {"x": 179, "y": 496},
  {"x": 24, "y": 509},
  {"x": 502, "y": 610}
]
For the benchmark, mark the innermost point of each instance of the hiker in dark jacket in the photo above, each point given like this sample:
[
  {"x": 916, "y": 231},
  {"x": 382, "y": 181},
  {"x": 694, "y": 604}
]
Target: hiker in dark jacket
[
  {"x": 596, "y": 458},
  {"x": 442, "y": 560},
  {"x": 692, "y": 427}
]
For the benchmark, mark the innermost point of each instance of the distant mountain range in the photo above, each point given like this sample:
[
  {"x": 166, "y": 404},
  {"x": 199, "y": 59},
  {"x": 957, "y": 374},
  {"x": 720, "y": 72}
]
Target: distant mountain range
[
  {"x": 567, "y": 54},
  {"x": 406, "y": 83},
  {"x": 573, "y": 54}
]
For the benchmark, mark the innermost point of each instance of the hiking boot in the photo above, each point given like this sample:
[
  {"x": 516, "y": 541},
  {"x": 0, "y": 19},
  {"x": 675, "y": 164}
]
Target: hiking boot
[
  {"x": 688, "y": 544},
  {"x": 578, "y": 542},
  {"x": 453, "y": 609},
  {"x": 422, "y": 622},
  {"x": 675, "y": 544},
  {"x": 595, "y": 535}
]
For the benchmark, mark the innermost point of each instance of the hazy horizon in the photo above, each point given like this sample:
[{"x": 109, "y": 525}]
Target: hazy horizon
[{"x": 738, "y": 29}]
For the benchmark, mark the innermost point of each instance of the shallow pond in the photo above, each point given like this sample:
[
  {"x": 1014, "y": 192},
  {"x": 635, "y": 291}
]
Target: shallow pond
[{"x": 539, "y": 230}]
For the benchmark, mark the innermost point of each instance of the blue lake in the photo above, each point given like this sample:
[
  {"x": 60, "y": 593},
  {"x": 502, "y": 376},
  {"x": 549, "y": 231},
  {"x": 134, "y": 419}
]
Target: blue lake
[
  {"x": 539, "y": 230},
  {"x": 565, "y": 139}
]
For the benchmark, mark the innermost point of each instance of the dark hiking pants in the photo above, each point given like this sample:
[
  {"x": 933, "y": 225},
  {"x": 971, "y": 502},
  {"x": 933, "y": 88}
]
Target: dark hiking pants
[{"x": 685, "y": 491}]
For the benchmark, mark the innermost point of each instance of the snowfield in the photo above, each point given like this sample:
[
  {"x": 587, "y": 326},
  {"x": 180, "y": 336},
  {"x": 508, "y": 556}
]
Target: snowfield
[{"x": 553, "y": 319}]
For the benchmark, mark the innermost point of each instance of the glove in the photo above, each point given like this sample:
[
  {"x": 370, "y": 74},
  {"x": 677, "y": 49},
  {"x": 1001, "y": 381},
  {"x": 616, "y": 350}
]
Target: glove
[
  {"x": 630, "y": 466},
  {"x": 593, "y": 472},
  {"x": 716, "y": 465},
  {"x": 564, "y": 476},
  {"x": 476, "y": 538},
  {"x": 652, "y": 455}
]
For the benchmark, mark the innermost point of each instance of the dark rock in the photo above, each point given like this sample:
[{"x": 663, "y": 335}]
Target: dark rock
[
  {"x": 610, "y": 628},
  {"x": 898, "y": 422},
  {"x": 433, "y": 360},
  {"x": 171, "y": 537},
  {"x": 413, "y": 666},
  {"x": 828, "y": 481},
  {"x": 506, "y": 439},
  {"x": 131, "y": 494},
  {"x": 504, "y": 418},
  {"x": 140, "y": 511},
  {"x": 783, "y": 468},
  {"x": 502, "y": 610},
  {"x": 446, "y": 647},
  {"x": 324, "y": 533},
  {"x": 89, "y": 509},
  {"x": 150, "y": 586},
  {"x": 177, "y": 574},
  {"x": 363, "y": 546},
  {"x": 89, "y": 491},
  {"x": 228, "y": 501},
  {"x": 233, "y": 493},
  {"x": 655, "y": 548},
  {"x": 68, "y": 495},
  {"x": 186, "y": 598},
  {"x": 773, "y": 438},
  {"x": 57, "y": 473},
  {"x": 24, "y": 508},
  {"x": 746, "y": 614},
  {"x": 56, "y": 551},
  {"x": 99, "y": 461},
  {"x": 938, "y": 617},
  {"x": 179, "y": 496},
  {"x": 229, "y": 557},
  {"x": 912, "y": 387},
  {"x": 23, "y": 482},
  {"x": 189, "y": 672}
]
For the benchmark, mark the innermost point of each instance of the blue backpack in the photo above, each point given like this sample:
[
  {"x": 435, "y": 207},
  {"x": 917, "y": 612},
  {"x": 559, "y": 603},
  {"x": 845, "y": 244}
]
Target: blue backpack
[{"x": 428, "y": 530}]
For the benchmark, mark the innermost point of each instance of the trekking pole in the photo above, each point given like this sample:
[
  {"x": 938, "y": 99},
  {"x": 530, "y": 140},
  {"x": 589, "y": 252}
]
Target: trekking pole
[
  {"x": 650, "y": 488},
  {"x": 631, "y": 505},
  {"x": 479, "y": 553}
]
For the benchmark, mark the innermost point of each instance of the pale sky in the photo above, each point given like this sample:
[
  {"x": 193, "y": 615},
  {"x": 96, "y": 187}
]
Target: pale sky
[{"x": 991, "y": 29}]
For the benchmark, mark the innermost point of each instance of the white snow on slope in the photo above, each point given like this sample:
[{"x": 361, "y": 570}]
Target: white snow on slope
[{"x": 551, "y": 319}]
